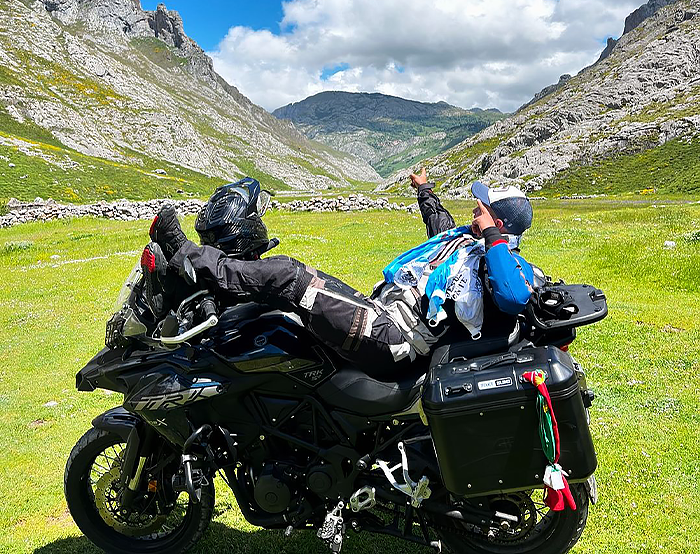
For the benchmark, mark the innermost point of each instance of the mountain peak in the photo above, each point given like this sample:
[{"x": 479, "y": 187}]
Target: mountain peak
[{"x": 126, "y": 17}]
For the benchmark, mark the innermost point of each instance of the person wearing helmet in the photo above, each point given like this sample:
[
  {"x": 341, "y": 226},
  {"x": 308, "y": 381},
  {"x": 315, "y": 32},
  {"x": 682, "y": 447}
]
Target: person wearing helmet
[{"x": 402, "y": 318}]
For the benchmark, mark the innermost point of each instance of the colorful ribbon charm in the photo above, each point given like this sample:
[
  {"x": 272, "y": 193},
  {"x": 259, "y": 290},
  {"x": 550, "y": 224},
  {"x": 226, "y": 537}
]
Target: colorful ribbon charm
[{"x": 557, "y": 492}]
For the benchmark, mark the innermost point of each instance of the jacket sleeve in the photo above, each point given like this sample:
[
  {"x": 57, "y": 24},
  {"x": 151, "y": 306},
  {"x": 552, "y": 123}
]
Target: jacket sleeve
[
  {"x": 510, "y": 275},
  {"x": 436, "y": 218}
]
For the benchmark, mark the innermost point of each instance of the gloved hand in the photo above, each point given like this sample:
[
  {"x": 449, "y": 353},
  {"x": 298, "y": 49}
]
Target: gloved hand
[{"x": 166, "y": 231}]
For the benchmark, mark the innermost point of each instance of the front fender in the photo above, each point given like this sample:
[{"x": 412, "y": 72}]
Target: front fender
[{"x": 117, "y": 420}]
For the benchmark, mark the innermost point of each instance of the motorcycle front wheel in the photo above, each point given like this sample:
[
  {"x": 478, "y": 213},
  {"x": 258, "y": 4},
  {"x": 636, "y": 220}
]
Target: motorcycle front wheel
[
  {"x": 539, "y": 530},
  {"x": 91, "y": 486}
]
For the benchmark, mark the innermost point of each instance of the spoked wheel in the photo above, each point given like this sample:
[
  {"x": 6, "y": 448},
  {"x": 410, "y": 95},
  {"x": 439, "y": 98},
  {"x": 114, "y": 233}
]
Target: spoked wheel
[
  {"x": 93, "y": 489},
  {"x": 535, "y": 529}
]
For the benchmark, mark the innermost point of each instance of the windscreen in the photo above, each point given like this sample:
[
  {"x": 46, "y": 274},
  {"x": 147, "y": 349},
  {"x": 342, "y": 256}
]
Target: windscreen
[{"x": 128, "y": 286}]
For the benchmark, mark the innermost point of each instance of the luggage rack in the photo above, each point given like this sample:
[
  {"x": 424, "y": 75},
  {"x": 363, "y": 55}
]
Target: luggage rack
[{"x": 558, "y": 305}]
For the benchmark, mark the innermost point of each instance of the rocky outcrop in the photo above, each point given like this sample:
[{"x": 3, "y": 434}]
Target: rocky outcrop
[
  {"x": 641, "y": 14},
  {"x": 608, "y": 49},
  {"x": 636, "y": 18},
  {"x": 546, "y": 91}
]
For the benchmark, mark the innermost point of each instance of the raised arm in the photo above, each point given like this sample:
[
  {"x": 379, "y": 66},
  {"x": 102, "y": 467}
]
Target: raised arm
[{"x": 435, "y": 216}]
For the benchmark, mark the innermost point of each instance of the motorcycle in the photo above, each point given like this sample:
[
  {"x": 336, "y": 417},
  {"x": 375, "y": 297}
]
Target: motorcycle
[{"x": 446, "y": 455}]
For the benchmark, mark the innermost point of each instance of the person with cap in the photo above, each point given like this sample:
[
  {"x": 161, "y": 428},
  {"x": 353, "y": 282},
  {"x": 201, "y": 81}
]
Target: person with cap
[
  {"x": 491, "y": 282},
  {"x": 422, "y": 292}
]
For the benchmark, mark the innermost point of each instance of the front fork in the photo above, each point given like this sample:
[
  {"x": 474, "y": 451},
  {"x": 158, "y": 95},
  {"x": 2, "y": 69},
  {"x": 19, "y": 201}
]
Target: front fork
[{"x": 139, "y": 446}]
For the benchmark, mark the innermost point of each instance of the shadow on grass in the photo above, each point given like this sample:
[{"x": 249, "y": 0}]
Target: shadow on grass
[{"x": 222, "y": 538}]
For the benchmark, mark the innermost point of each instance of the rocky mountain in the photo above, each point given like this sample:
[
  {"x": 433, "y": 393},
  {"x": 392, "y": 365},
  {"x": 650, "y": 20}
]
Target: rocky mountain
[
  {"x": 630, "y": 121},
  {"x": 100, "y": 98},
  {"x": 386, "y": 131}
]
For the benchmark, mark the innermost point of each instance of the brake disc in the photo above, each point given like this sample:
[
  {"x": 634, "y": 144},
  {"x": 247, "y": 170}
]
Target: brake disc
[
  {"x": 521, "y": 505},
  {"x": 109, "y": 507}
]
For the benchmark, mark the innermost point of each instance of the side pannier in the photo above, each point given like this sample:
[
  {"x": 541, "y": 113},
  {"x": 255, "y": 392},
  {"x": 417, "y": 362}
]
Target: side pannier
[{"x": 484, "y": 422}]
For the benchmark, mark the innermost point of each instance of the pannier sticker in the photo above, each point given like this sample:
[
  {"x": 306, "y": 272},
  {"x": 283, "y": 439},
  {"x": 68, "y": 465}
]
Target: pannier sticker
[{"x": 495, "y": 383}]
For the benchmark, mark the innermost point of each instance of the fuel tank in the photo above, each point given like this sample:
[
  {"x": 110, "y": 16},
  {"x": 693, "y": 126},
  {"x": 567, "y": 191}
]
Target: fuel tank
[{"x": 252, "y": 338}]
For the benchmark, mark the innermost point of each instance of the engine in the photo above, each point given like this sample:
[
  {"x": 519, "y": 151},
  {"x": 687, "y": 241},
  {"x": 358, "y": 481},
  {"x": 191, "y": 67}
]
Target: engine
[{"x": 273, "y": 488}]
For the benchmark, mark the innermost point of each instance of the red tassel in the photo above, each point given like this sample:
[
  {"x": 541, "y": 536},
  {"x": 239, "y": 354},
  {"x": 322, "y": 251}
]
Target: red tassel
[
  {"x": 554, "y": 499},
  {"x": 566, "y": 491}
]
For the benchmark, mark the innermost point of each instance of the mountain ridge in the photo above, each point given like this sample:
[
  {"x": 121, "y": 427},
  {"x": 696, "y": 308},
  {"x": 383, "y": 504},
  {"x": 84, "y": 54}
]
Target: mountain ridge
[
  {"x": 386, "y": 131},
  {"x": 645, "y": 94}
]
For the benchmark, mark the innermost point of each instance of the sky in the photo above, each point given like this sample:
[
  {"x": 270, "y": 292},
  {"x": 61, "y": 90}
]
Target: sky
[{"x": 469, "y": 53}]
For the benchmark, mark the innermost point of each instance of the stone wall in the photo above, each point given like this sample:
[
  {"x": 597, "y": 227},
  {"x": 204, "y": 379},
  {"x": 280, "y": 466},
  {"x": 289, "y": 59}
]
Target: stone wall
[{"x": 124, "y": 210}]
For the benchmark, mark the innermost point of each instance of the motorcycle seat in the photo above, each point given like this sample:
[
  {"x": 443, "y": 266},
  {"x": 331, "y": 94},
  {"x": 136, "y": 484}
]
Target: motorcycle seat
[
  {"x": 352, "y": 390},
  {"x": 450, "y": 351}
]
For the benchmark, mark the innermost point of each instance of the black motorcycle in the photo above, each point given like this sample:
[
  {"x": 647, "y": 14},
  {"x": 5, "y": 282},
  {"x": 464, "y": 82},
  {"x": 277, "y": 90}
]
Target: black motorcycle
[{"x": 447, "y": 455}]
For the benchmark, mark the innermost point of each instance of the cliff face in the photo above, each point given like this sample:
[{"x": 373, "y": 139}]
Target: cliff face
[
  {"x": 641, "y": 14},
  {"x": 643, "y": 95},
  {"x": 108, "y": 79},
  {"x": 386, "y": 131}
]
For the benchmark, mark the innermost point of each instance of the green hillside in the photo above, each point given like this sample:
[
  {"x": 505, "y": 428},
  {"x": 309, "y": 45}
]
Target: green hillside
[{"x": 672, "y": 168}]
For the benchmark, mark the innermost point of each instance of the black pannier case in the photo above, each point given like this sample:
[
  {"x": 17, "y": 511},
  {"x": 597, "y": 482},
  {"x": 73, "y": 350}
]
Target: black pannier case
[{"x": 484, "y": 421}]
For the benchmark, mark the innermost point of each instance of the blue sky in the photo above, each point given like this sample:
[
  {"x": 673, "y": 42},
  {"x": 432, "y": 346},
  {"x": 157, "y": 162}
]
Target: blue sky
[
  {"x": 469, "y": 53},
  {"x": 208, "y": 21}
]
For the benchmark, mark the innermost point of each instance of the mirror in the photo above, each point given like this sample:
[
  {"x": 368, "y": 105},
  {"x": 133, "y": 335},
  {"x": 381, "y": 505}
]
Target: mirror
[
  {"x": 263, "y": 202},
  {"x": 187, "y": 271}
]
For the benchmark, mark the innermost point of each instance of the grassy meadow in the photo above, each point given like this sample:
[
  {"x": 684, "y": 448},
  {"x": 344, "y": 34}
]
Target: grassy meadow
[{"x": 59, "y": 281}]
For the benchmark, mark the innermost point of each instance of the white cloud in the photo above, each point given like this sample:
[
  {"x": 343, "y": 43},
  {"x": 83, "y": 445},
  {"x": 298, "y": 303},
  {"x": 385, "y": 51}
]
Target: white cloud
[{"x": 486, "y": 53}]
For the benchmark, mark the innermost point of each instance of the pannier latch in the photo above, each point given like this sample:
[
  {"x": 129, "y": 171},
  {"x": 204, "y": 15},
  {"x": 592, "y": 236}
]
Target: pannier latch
[
  {"x": 466, "y": 387},
  {"x": 416, "y": 491}
]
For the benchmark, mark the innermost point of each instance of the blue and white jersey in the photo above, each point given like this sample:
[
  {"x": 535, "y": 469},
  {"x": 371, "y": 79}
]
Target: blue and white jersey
[{"x": 447, "y": 267}]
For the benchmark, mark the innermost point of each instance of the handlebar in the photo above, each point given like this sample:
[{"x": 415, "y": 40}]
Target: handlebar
[
  {"x": 207, "y": 311},
  {"x": 207, "y": 308}
]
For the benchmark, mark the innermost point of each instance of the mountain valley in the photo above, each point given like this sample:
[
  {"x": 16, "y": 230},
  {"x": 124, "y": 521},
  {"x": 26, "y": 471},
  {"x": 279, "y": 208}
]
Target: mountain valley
[{"x": 103, "y": 100}]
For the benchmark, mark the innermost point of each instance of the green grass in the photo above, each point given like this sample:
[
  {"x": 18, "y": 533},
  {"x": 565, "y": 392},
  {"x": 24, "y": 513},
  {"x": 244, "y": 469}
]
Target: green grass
[
  {"x": 26, "y": 130},
  {"x": 45, "y": 167},
  {"x": 159, "y": 52},
  {"x": 93, "y": 178},
  {"x": 643, "y": 361},
  {"x": 672, "y": 168}
]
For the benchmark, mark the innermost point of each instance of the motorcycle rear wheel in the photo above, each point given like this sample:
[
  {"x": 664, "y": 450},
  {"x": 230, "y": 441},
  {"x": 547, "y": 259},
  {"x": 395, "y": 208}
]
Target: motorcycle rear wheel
[
  {"x": 93, "y": 467},
  {"x": 552, "y": 533}
]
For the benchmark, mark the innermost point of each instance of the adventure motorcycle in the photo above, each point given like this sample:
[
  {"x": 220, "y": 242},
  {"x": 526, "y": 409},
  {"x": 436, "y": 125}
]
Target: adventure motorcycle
[{"x": 447, "y": 455}]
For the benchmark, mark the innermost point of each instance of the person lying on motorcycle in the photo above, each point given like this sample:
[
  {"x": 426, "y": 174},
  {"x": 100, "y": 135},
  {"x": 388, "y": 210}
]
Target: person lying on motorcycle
[
  {"x": 503, "y": 214},
  {"x": 404, "y": 316}
]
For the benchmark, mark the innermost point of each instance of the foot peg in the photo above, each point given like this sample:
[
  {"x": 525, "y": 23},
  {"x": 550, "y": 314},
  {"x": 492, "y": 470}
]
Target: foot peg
[
  {"x": 333, "y": 528},
  {"x": 416, "y": 491},
  {"x": 363, "y": 499}
]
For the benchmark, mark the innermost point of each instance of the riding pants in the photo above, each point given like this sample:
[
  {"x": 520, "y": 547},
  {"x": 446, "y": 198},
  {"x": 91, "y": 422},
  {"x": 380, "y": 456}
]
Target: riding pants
[{"x": 356, "y": 327}]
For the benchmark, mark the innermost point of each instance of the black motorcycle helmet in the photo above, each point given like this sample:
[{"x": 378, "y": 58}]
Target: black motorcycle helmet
[{"x": 231, "y": 220}]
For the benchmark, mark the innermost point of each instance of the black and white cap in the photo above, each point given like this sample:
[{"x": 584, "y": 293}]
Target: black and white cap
[{"x": 510, "y": 205}]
